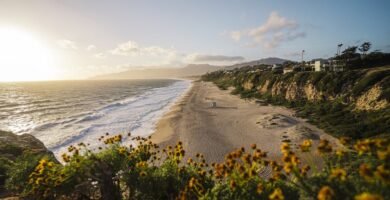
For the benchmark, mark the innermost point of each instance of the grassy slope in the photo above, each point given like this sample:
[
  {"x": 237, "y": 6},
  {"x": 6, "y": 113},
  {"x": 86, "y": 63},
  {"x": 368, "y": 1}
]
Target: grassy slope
[{"x": 337, "y": 116}]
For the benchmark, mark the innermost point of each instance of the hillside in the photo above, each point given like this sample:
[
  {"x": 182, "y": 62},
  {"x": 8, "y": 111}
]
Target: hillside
[
  {"x": 189, "y": 70},
  {"x": 263, "y": 61},
  {"x": 352, "y": 103}
]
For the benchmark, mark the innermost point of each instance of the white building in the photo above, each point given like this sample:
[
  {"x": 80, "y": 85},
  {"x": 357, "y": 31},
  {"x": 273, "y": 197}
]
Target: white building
[
  {"x": 336, "y": 65},
  {"x": 287, "y": 70},
  {"x": 328, "y": 65},
  {"x": 320, "y": 66}
]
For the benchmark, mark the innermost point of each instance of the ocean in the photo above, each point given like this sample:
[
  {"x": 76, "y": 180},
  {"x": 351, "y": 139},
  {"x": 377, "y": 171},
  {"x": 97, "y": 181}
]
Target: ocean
[{"x": 62, "y": 113}]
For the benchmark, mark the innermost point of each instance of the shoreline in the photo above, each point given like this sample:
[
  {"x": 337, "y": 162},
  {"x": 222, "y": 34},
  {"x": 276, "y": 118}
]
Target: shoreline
[
  {"x": 144, "y": 130},
  {"x": 232, "y": 124},
  {"x": 163, "y": 129}
]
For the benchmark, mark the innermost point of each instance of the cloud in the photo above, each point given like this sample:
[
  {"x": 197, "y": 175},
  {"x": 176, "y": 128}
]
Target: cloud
[
  {"x": 215, "y": 58},
  {"x": 156, "y": 55},
  {"x": 274, "y": 23},
  {"x": 272, "y": 33},
  {"x": 91, "y": 47},
  {"x": 236, "y": 35},
  {"x": 211, "y": 59},
  {"x": 129, "y": 48},
  {"x": 276, "y": 39},
  {"x": 67, "y": 44},
  {"x": 133, "y": 49},
  {"x": 100, "y": 55}
]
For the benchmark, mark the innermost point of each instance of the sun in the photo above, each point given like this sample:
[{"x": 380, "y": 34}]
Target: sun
[{"x": 24, "y": 57}]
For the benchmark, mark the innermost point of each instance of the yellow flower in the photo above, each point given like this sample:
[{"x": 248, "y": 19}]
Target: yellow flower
[
  {"x": 142, "y": 174},
  {"x": 288, "y": 167},
  {"x": 338, "y": 173},
  {"x": 41, "y": 170},
  {"x": 363, "y": 146},
  {"x": 305, "y": 169},
  {"x": 305, "y": 146},
  {"x": 278, "y": 176},
  {"x": 325, "y": 193},
  {"x": 383, "y": 173},
  {"x": 365, "y": 171},
  {"x": 277, "y": 194},
  {"x": 285, "y": 147},
  {"x": 295, "y": 160},
  {"x": 253, "y": 146},
  {"x": 50, "y": 164},
  {"x": 286, "y": 158},
  {"x": 38, "y": 181},
  {"x": 324, "y": 146},
  {"x": 340, "y": 153},
  {"x": 368, "y": 196},
  {"x": 383, "y": 155},
  {"x": 246, "y": 158},
  {"x": 260, "y": 188},
  {"x": 118, "y": 138},
  {"x": 141, "y": 164},
  {"x": 380, "y": 143},
  {"x": 122, "y": 150},
  {"x": 43, "y": 162},
  {"x": 345, "y": 140},
  {"x": 192, "y": 182}
]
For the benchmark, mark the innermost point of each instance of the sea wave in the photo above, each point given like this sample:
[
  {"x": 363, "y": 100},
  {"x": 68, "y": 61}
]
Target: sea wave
[{"x": 138, "y": 115}]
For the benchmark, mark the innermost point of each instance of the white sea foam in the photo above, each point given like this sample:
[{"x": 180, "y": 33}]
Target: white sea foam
[{"x": 138, "y": 115}]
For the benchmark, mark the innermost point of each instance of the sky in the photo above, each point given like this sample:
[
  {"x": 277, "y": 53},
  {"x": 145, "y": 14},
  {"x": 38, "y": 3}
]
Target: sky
[{"x": 79, "y": 39}]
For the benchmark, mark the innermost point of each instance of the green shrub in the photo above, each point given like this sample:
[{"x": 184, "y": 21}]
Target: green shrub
[
  {"x": 337, "y": 116},
  {"x": 369, "y": 80},
  {"x": 146, "y": 172}
]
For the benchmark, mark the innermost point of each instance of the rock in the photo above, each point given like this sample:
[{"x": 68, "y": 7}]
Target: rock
[
  {"x": 298, "y": 133},
  {"x": 11, "y": 148},
  {"x": 370, "y": 100},
  {"x": 275, "y": 121}
]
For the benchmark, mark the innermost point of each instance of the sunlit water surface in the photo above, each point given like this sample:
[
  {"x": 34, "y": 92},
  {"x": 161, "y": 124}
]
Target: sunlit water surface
[{"x": 61, "y": 113}]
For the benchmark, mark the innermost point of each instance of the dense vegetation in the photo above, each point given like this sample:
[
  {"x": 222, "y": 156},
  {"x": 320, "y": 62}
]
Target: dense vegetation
[
  {"x": 334, "y": 108},
  {"x": 362, "y": 59},
  {"x": 358, "y": 171}
]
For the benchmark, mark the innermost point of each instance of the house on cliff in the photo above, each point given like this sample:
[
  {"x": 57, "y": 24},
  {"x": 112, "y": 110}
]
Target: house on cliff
[{"x": 328, "y": 65}]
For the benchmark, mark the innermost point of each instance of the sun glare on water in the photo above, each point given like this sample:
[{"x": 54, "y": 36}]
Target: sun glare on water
[{"x": 24, "y": 57}]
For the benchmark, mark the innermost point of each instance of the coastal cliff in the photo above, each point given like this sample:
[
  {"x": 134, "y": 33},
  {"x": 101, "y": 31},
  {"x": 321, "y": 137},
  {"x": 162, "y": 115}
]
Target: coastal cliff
[
  {"x": 15, "y": 153},
  {"x": 353, "y": 103}
]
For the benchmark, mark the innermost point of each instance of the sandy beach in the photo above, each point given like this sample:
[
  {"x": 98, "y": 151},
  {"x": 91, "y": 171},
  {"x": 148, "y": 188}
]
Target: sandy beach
[{"x": 233, "y": 123}]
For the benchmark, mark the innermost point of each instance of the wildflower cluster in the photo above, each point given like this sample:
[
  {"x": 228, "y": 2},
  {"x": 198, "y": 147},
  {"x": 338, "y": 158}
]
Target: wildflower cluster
[
  {"x": 44, "y": 178},
  {"x": 143, "y": 170}
]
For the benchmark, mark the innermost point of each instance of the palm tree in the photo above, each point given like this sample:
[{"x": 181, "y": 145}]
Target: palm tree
[
  {"x": 365, "y": 47},
  {"x": 339, "y": 48}
]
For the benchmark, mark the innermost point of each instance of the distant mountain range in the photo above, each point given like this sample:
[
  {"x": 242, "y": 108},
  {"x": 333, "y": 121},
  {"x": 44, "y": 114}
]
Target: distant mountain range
[
  {"x": 263, "y": 61},
  {"x": 188, "y": 70}
]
